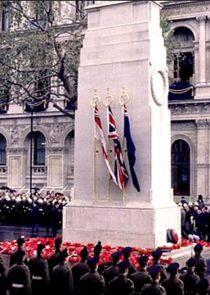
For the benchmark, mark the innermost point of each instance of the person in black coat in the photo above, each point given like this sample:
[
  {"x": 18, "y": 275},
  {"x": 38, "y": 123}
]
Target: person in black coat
[
  {"x": 121, "y": 284},
  {"x": 156, "y": 254},
  {"x": 80, "y": 268},
  {"x": 92, "y": 283},
  {"x": 55, "y": 218},
  {"x": 154, "y": 288},
  {"x": 62, "y": 279},
  {"x": 3, "y": 279},
  {"x": 141, "y": 277},
  {"x": 35, "y": 219},
  {"x": 39, "y": 272},
  {"x": 190, "y": 279},
  {"x": 173, "y": 285},
  {"x": 20, "y": 247},
  {"x": 54, "y": 259},
  {"x": 126, "y": 252},
  {"x": 18, "y": 277},
  {"x": 112, "y": 271},
  {"x": 200, "y": 263}
]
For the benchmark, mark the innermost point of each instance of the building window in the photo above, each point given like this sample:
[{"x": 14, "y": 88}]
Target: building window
[
  {"x": 180, "y": 168},
  {"x": 42, "y": 85},
  {"x": 39, "y": 148},
  {"x": 5, "y": 20},
  {"x": 183, "y": 54},
  {"x": 3, "y": 145}
]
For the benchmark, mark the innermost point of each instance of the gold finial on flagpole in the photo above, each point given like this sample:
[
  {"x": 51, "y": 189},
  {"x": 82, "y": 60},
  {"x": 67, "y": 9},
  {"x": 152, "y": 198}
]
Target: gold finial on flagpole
[
  {"x": 108, "y": 98},
  {"x": 124, "y": 97},
  {"x": 96, "y": 99}
]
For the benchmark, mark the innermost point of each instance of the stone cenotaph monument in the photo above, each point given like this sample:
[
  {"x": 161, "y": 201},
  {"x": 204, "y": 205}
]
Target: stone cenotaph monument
[{"x": 123, "y": 47}]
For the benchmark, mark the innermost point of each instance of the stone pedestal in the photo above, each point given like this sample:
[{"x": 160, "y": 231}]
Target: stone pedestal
[{"x": 123, "y": 46}]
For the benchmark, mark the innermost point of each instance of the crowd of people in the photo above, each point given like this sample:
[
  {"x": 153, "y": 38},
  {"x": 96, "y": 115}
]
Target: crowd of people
[
  {"x": 36, "y": 210},
  {"x": 37, "y": 276},
  {"x": 195, "y": 220}
]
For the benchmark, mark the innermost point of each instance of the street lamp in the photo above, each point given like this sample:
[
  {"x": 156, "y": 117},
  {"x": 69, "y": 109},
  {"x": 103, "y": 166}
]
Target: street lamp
[{"x": 31, "y": 151}]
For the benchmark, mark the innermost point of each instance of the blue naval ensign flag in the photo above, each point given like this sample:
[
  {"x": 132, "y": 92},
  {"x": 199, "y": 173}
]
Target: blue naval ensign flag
[{"x": 131, "y": 149}]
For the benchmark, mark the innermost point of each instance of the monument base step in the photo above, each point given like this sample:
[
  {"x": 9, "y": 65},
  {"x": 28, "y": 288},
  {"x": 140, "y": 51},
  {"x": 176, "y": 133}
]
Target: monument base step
[{"x": 120, "y": 225}]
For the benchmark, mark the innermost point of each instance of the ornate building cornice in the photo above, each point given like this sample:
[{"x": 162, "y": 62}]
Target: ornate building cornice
[
  {"x": 189, "y": 107},
  {"x": 183, "y": 125},
  {"x": 185, "y": 7}
]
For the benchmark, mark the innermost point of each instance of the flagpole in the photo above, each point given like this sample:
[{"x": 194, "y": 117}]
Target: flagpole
[
  {"x": 95, "y": 171},
  {"x": 107, "y": 101},
  {"x": 124, "y": 189},
  {"x": 123, "y": 100},
  {"x": 95, "y": 149}
]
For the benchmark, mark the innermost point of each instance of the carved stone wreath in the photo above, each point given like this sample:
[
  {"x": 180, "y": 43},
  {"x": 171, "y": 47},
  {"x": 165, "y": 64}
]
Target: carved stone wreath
[{"x": 159, "y": 85}]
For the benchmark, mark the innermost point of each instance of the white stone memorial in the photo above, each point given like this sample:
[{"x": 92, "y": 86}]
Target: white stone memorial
[{"x": 123, "y": 47}]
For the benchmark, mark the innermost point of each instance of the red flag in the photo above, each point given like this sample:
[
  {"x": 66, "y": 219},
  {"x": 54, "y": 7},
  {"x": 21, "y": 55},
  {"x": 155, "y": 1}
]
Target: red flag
[{"x": 99, "y": 135}]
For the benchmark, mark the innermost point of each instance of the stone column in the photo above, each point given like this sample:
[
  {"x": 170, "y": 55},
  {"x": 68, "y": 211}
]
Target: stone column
[
  {"x": 202, "y": 157},
  {"x": 202, "y": 49}
]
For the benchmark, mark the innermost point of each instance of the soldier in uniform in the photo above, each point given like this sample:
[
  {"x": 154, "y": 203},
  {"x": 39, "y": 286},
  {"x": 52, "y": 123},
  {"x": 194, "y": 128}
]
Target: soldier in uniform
[
  {"x": 156, "y": 262},
  {"x": 173, "y": 285},
  {"x": 3, "y": 279},
  {"x": 97, "y": 249},
  {"x": 53, "y": 260},
  {"x": 141, "y": 277},
  {"x": 201, "y": 266},
  {"x": 154, "y": 287},
  {"x": 62, "y": 279},
  {"x": 200, "y": 269},
  {"x": 39, "y": 272},
  {"x": 126, "y": 257},
  {"x": 190, "y": 279},
  {"x": 18, "y": 278},
  {"x": 121, "y": 284},
  {"x": 55, "y": 214},
  {"x": 112, "y": 270},
  {"x": 80, "y": 268},
  {"x": 92, "y": 283},
  {"x": 20, "y": 246}
]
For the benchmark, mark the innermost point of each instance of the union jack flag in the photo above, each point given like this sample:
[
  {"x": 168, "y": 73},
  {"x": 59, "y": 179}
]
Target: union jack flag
[
  {"x": 99, "y": 135},
  {"x": 120, "y": 170}
]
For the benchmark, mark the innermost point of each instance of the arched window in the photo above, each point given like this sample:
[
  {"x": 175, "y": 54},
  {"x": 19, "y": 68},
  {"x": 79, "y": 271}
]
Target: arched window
[
  {"x": 180, "y": 167},
  {"x": 183, "y": 54},
  {"x": 183, "y": 34},
  {"x": 69, "y": 154},
  {"x": 3, "y": 145},
  {"x": 38, "y": 148}
]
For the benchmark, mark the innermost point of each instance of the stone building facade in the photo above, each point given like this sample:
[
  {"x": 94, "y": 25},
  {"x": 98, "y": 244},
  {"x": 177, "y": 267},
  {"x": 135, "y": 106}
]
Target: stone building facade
[
  {"x": 36, "y": 149},
  {"x": 190, "y": 116},
  {"x": 53, "y": 145}
]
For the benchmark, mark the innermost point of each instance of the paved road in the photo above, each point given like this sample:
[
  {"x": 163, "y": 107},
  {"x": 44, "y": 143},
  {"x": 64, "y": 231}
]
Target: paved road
[{"x": 9, "y": 233}]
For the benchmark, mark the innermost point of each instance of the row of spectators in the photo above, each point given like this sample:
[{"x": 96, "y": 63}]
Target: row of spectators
[
  {"x": 38, "y": 276},
  {"x": 20, "y": 209},
  {"x": 195, "y": 220}
]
